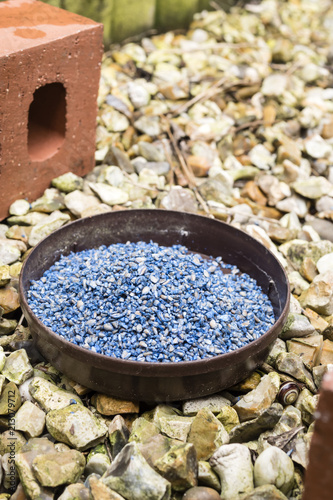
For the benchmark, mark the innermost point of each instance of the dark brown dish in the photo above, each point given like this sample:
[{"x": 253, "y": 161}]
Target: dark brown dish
[{"x": 157, "y": 381}]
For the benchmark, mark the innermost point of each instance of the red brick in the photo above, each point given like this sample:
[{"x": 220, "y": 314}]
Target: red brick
[
  {"x": 51, "y": 58},
  {"x": 319, "y": 477}
]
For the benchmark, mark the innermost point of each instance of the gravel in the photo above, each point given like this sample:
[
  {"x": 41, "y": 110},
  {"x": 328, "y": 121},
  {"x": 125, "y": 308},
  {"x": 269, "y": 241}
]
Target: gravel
[{"x": 146, "y": 302}]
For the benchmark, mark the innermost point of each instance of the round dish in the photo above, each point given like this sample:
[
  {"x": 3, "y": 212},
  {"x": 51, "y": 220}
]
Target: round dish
[{"x": 157, "y": 382}]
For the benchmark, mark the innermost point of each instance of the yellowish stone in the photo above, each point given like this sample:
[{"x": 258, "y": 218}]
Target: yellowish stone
[{"x": 108, "y": 405}]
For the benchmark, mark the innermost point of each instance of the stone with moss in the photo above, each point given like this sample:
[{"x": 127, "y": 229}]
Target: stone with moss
[
  {"x": 207, "y": 434},
  {"x": 7, "y": 326},
  {"x": 179, "y": 466},
  {"x": 176, "y": 427},
  {"x": 254, "y": 402},
  {"x": 68, "y": 182},
  {"x": 23, "y": 463},
  {"x": 207, "y": 476},
  {"x": 10, "y": 399},
  {"x": 2, "y": 359},
  {"x": 54, "y": 469},
  {"x": 49, "y": 396},
  {"x": 228, "y": 416},
  {"x": 132, "y": 477},
  {"x": 17, "y": 367},
  {"x": 4, "y": 275},
  {"x": 118, "y": 435},
  {"x": 97, "y": 461},
  {"x": 9, "y": 437},
  {"x": 100, "y": 491},
  {"x": 142, "y": 430},
  {"x": 76, "y": 426}
]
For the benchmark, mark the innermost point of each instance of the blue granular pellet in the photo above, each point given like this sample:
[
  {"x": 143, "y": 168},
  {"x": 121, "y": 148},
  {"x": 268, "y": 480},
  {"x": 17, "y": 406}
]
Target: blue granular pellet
[{"x": 146, "y": 302}]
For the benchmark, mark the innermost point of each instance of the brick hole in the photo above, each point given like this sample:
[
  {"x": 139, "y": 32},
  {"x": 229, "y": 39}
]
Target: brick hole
[{"x": 47, "y": 121}]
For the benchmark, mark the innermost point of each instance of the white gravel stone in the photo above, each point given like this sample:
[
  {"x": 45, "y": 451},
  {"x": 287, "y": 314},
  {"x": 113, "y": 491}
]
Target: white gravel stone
[
  {"x": 233, "y": 464},
  {"x": 19, "y": 207},
  {"x": 273, "y": 466}
]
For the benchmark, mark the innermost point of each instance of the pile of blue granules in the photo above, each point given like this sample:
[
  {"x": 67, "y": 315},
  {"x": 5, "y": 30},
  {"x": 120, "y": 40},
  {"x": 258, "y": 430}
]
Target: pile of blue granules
[{"x": 146, "y": 302}]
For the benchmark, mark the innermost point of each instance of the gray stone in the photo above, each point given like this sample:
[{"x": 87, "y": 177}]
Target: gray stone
[
  {"x": 78, "y": 202},
  {"x": 47, "y": 226},
  {"x": 149, "y": 125},
  {"x": 278, "y": 347},
  {"x": 180, "y": 199},
  {"x": 297, "y": 250},
  {"x": 51, "y": 200},
  {"x": 117, "y": 157},
  {"x": 23, "y": 462},
  {"x": 293, "y": 203},
  {"x": 114, "y": 120},
  {"x": 138, "y": 94},
  {"x": 131, "y": 476},
  {"x": 9, "y": 253},
  {"x": 76, "y": 426},
  {"x": 323, "y": 227},
  {"x": 207, "y": 477},
  {"x": 216, "y": 189},
  {"x": 324, "y": 204},
  {"x": 10, "y": 392},
  {"x": 250, "y": 430},
  {"x": 307, "y": 404},
  {"x": 290, "y": 420},
  {"x": 319, "y": 296},
  {"x": 313, "y": 187},
  {"x": 30, "y": 219},
  {"x": 97, "y": 464},
  {"x": 109, "y": 194},
  {"x": 11, "y": 440},
  {"x": 266, "y": 492},
  {"x": 158, "y": 167},
  {"x": 176, "y": 427},
  {"x": 30, "y": 419},
  {"x": 77, "y": 491},
  {"x": 273, "y": 466},
  {"x": 111, "y": 175},
  {"x": 297, "y": 325},
  {"x": 2, "y": 359},
  {"x": 254, "y": 402},
  {"x": 201, "y": 493},
  {"x": 292, "y": 364},
  {"x": 297, "y": 283},
  {"x": 228, "y": 417},
  {"x": 233, "y": 464},
  {"x": 214, "y": 403},
  {"x": 156, "y": 447},
  {"x": 300, "y": 447},
  {"x": 150, "y": 152},
  {"x": 275, "y": 84}
]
